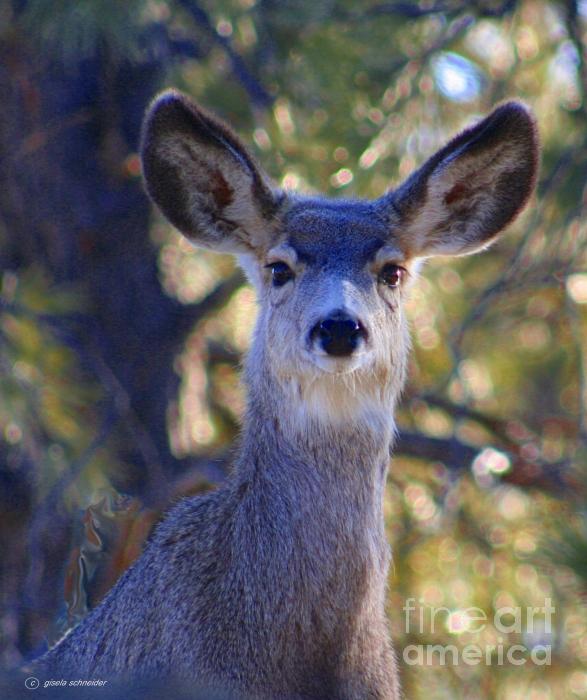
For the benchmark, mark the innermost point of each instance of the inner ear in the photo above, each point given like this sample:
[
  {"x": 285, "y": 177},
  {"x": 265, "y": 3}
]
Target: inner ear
[
  {"x": 459, "y": 191},
  {"x": 221, "y": 191}
]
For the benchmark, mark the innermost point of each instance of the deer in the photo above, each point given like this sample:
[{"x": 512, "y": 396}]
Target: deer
[{"x": 274, "y": 584}]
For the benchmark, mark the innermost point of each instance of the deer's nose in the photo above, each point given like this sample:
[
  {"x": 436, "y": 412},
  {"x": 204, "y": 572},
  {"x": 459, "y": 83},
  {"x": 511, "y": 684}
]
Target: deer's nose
[{"x": 339, "y": 334}]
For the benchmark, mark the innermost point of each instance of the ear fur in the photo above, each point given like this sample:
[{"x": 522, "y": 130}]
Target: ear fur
[
  {"x": 202, "y": 177},
  {"x": 465, "y": 194}
]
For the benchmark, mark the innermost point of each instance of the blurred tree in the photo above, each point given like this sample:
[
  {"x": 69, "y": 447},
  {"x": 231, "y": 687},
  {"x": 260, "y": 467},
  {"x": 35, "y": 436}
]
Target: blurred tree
[{"x": 120, "y": 347}]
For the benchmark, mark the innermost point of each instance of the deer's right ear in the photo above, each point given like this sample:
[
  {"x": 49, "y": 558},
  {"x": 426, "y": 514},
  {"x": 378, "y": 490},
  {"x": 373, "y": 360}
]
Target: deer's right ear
[
  {"x": 202, "y": 178},
  {"x": 463, "y": 196}
]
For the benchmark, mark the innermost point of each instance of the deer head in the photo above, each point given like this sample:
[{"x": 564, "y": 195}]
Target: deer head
[{"x": 332, "y": 274}]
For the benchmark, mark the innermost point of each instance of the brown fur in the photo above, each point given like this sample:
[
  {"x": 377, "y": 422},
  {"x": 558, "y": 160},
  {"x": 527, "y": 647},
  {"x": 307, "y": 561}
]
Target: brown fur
[{"x": 274, "y": 586}]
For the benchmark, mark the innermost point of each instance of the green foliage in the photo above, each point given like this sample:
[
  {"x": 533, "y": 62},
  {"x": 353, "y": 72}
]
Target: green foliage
[
  {"x": 77, "y": 27},
  {"x": 47, "y": 404}
]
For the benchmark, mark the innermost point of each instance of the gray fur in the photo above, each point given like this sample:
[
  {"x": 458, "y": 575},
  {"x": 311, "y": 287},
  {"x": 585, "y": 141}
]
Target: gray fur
[{"x": 274, "y": 585}]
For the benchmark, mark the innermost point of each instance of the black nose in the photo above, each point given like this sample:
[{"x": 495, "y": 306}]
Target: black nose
[{"x": 339, "y": 334}]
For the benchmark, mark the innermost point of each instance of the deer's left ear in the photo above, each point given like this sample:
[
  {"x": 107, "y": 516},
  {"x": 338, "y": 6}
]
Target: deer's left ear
[
  {"x": 465, "y": 194},
  {"x": 203, "y": 178}
]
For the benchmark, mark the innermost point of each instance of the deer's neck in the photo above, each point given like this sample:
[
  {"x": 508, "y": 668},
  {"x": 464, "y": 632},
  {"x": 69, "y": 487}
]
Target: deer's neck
[
  {"x": 312, "y": 499},
  {"x": 344, "y": 446}
]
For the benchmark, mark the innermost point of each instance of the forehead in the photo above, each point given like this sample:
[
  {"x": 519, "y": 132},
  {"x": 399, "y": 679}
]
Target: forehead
[{"x": 324, "y": 230}]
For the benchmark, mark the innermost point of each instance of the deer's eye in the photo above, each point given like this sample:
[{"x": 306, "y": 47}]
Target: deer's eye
[
  {"x": 391, "y": 275},
  {"x": 281, "y": 273}
]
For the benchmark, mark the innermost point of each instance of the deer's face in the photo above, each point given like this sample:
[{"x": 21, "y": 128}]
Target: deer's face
[
  {"x": 331, "y": 285},
  {"x": 331, "y": 274}
]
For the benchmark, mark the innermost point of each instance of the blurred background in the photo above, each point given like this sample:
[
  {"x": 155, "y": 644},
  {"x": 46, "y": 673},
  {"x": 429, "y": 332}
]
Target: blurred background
[{"x": 120, "y": 345}]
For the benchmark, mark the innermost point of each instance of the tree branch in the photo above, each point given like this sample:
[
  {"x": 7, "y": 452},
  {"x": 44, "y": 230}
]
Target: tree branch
[
  {"x": 214, "y": 300},
  {"x": 256, "y": 91},
  {"x": 457, "y": 456}
]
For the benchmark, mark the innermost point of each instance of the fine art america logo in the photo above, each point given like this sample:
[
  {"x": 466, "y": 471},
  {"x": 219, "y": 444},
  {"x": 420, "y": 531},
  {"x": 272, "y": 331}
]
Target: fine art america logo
[{"x": 531, "y": 625}]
